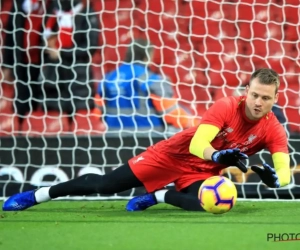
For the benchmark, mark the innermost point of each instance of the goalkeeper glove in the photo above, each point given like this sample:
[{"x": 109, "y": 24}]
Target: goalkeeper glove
[
  {"x": 230, "y": 157},
  {"x": 267, "y": 175}
]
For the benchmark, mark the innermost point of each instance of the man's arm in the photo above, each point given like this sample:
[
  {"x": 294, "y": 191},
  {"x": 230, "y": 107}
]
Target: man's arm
[
  {"x": 200, "y": 144},
  {"x": 282, "y": 167},
  {"x": 276, "y": 142}
]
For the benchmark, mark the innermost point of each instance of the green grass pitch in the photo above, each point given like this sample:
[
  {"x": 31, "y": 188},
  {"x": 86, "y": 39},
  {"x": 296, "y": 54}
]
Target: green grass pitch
[{"x": 84, "y": 225}]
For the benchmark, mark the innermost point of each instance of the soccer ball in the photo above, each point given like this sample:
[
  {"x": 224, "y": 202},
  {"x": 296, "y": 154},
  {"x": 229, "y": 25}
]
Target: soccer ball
[{"x": 217, "y": 195}]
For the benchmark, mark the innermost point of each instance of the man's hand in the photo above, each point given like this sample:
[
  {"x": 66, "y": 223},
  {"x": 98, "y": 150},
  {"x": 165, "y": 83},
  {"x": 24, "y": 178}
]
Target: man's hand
[
  {"x": 230, "y": 157},
  {"x": 267, "y": 175},
  {"x": 53, "y": 54},
  {"x": 6, "y": 75},
  {"x": 52, "y": 51}
]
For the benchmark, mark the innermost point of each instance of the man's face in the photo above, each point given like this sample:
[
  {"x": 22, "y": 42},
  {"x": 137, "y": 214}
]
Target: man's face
[{"x": 260, "y": 99}]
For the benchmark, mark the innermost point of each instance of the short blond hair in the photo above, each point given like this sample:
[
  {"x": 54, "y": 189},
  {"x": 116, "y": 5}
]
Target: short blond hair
[{"x": 266, "y": 76}]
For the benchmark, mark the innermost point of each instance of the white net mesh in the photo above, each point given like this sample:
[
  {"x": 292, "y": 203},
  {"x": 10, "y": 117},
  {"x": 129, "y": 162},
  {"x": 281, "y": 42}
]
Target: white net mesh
[{"x": 207, "y": 49}]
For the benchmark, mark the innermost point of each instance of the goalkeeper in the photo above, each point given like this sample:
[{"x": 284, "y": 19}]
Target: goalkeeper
[{"x": 230, "y": 131}]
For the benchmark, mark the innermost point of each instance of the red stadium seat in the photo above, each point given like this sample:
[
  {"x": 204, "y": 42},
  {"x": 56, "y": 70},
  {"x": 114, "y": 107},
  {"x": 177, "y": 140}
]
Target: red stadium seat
[
  {"x": 229, "y": 75},
  {"x": 292, "y": 72},
  {"x": 194, "y": 94},
  {"x": 161, "y": 21},
  {"x": 209, "y": 9},
  {"x": 291, "y": 12},
  {"x": 6, "y": 97},
  {"x": 111, "y": 6},
  {"x": 115, "y": 42},
  {"x": 289, "y": 99},
  {"x": 227, "y": 91},
  {"x": 224, "y": 58},
  {"x": 214, "y": 28},
  {"x": 260, "y": 2},
  {"x": 195, "y": 97},
  {"x": 5, "y": 9},
  {"x": 270, "y": 49},
  {"x": 292, "y": 32},
  {"x": 39, "y": 123},
  {"x": 87, "y": 122},
  {"x": 9, "y": 124},
  {"x": 244, "y": 13},
  {"x": 261, "y": 30},
  {"x": 6, "y": 105},
  {"x": 8, "y": 120}
]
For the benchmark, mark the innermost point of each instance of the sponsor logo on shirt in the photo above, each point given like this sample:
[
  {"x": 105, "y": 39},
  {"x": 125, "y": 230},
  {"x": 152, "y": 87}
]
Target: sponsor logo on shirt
[
  {"x": 251, "y": 138},
  {"x": 243, "y": 146},
  {"x": 225, "y": 132},
  {"x": 229, "y": 130},
  {"x": 140, "y": 158}
]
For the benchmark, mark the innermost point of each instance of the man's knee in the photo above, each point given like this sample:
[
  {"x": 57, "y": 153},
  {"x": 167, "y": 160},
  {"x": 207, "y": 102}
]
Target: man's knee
[
  {"x": 91, "y": 181},
  {"x": 102, "y": 184},
  {"x": 107, "y": 186}
]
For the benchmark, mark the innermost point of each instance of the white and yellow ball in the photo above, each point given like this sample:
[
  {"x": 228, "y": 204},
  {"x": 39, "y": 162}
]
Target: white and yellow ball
[{"x": 217, "y": 195}]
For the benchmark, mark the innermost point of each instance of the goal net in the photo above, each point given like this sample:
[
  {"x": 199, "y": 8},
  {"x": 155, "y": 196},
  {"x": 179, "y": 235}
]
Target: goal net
[{"x": 205, "y": 50}]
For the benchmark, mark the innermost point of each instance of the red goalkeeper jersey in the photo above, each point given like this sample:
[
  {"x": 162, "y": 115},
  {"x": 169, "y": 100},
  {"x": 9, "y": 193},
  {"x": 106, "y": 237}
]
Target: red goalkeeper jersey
[{"x": 236, "y": 131}]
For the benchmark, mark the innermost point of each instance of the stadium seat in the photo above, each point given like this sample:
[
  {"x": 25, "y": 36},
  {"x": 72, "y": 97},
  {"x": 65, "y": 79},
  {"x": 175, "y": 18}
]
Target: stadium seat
[
  {"x": 161, "y": 21},
  {"x": 116, "y": 42},
  {"x": 209, "y": 9},
  {"x": 196, "y": 97},
  {"x": 39, "y": 123},
  {"x": 244, "y": 13},
  {"x": 291, "y": 12},
  {"x": 225, "y": 59},
  {"x": 201, "y": 108},
  {"x": 96, "y": 67},
  {"x": 270, "y": 49},
  {"x": 181, "y": 72},
  {"x": 5, "y": 8},
  {"x": 194, "y": 93},
  {"x": 218, "y": 29},
  {"x": 8, "y": 119},
  {"x": 216, "y": 50},
  {"x": 226, "y": 91},
  {"x": 87, "y": 122},
  {"x": 176, "y": 61},
  {"x": 111, "y": 6},
  {"x": 6, "y": 97},
  {"x": 9, "y": 124},
  {"x": 292, "y": 72},
  {"x": 230, "y": 76},
  {"x": 292, "y": 32},
  {"x": 289, "y": 99}
]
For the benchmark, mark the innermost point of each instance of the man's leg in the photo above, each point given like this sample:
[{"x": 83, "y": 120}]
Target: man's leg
[
  {"x": 118, "y": 180},
  {"x": 187, "y": 199}
]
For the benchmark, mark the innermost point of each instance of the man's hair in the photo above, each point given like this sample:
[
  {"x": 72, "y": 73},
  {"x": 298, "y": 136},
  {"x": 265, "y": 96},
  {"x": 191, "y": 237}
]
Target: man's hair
[
  {"x": 267, "y": 77},
  {"x": 139, "y": 51}
]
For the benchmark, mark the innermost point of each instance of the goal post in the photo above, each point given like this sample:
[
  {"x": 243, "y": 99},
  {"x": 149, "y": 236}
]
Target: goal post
[{"x": 206, "y": 50}]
